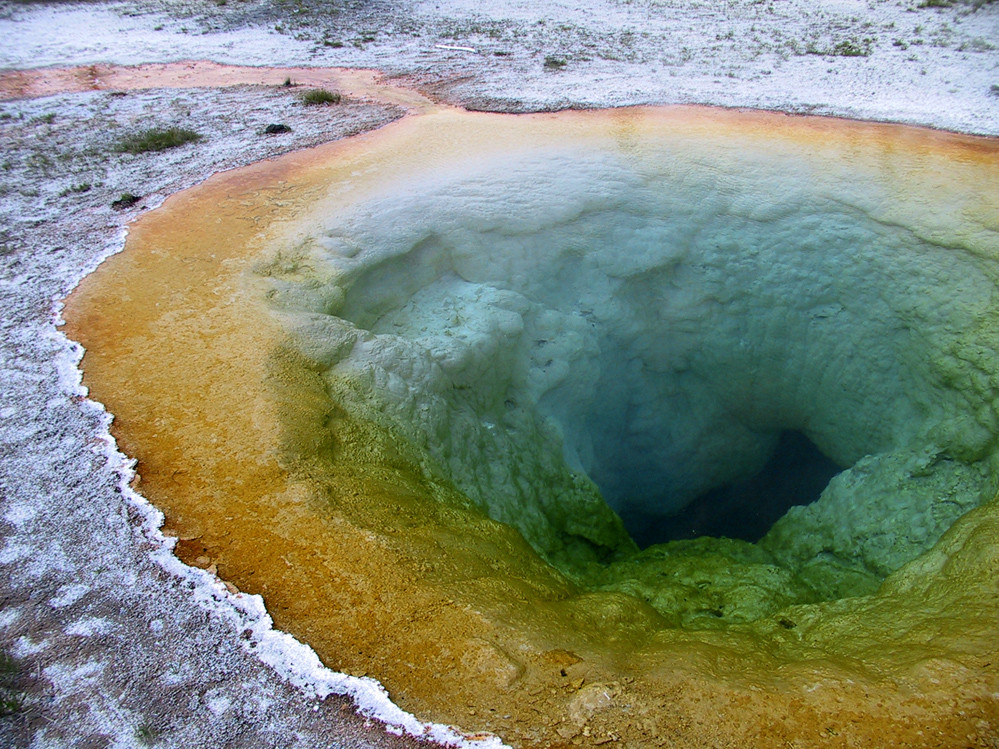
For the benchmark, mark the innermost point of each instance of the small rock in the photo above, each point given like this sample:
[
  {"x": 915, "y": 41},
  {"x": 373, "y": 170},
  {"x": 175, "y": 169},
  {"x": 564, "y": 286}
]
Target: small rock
[
  {"x": 591, "y": 699},
  {"x": 567, "y": 730},
  {"x": 490, "y": 662},
  {"x": 275, "y": 128}
]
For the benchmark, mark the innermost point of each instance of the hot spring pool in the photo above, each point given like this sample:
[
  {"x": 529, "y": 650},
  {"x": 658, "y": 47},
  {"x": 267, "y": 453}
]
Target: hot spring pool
[{"x": 459, "y": 399}]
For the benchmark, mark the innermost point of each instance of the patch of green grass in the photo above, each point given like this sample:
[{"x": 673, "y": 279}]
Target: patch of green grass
[
  {"x": 40, "y": 162},
  {"x": 852, "y": 48},
  {"x": 994, "y": 89},
  {"x": 11, "y": 694},
  {"x": 82, "y": 187},
  {"x": 157, "y": 139},
  {"x": 320, "y": 97},
  {"x": 935, "y": 4},
  {"x": 555, "y": 63},
  {"x": 146, "y": 734},
  {"x": 978, "y": 44},
  {"x": 127, "y": 200}
]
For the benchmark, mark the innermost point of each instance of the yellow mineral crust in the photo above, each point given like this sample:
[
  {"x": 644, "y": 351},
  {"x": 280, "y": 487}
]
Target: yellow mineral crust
[{"x": 389, "y": 573}]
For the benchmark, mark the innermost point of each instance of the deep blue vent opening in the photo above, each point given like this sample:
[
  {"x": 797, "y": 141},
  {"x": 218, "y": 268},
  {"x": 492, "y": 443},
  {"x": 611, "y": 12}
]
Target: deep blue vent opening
[{"x": 796, "y": 474}]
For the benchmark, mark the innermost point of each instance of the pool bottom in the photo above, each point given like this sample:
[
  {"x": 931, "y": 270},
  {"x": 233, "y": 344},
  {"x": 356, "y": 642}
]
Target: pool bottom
[
  {"x": 465, "y": 625},
  {"x": 357, "y": 555}
]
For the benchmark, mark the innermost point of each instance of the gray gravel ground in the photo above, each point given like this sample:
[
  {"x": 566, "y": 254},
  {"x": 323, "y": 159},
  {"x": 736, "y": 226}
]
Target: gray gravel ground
[
  {"x": 872, "y": 59},
  {"x": 110, "y": 646}
]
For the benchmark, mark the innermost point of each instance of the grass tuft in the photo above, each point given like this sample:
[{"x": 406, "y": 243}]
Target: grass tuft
[
  {"x": 157, "y": 139},
  {"x": 82, "y": 187},
  {"x": 11, "y": 694},
  {"x": 852, "y": 48},
  {"x": 147, "y": 734},
  {"x": 127, "y": 200},
  {"x": 320, "y": 97}
]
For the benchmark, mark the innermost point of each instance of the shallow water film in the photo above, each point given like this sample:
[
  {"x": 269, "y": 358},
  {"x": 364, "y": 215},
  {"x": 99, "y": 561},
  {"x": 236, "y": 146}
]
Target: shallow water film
[{"x": 459, "y": 396}]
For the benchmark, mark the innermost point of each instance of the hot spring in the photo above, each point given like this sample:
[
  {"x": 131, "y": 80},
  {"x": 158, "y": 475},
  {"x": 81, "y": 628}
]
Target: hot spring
[{"x": 657, "y": 425}]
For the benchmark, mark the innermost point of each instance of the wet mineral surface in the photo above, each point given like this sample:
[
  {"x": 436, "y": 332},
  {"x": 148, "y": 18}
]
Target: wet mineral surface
[{"x": 415, "y": 389}]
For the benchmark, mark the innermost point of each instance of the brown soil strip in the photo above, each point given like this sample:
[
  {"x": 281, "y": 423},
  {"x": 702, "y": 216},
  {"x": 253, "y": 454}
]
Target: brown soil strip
[{"x": 358, "y": 84}]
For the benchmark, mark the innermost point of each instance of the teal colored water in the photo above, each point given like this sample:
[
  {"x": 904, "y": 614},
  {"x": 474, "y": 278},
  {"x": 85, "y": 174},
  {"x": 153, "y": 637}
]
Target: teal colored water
[{"x": 577, "y": 335}]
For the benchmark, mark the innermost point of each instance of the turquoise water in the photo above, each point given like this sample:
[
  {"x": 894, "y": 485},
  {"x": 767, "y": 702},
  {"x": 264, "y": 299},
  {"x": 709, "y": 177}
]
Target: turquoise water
[{"x": 576, "y": 336}]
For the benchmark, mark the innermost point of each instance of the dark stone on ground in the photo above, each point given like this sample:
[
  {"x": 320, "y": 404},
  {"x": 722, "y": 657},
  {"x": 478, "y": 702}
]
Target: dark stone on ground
[{"x": 127, "y": 200}]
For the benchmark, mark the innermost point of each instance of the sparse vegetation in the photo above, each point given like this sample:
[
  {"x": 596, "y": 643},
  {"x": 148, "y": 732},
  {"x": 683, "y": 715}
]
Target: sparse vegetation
[
  {"x": 852, "y": 48},
  {"x": 82, "y": 187},
  {"x": 127, "y": 200},
  {"x": 146, "y": 734},
  {"x": 320, "y": 97},
  {"x": 555, "y": 63},
  {"x": 39, "y": 162},
  {"x": 978, "y": 44},
  {"x": 11, "y": 694},
  {"x": 157, "y": 139},
  {"x": 994, "y": 89},
  {"x": 975, "y": 4}
]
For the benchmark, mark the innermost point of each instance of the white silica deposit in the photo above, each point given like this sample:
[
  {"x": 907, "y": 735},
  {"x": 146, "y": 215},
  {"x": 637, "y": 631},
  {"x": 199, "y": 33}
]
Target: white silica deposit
[{"x": 581, "y": 331}]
